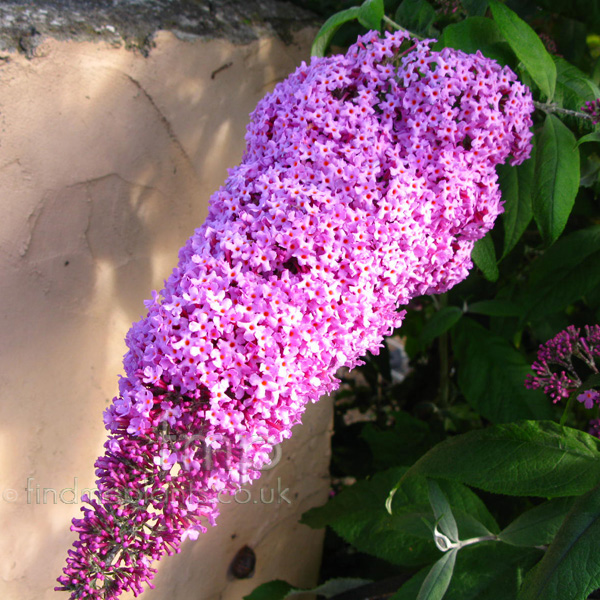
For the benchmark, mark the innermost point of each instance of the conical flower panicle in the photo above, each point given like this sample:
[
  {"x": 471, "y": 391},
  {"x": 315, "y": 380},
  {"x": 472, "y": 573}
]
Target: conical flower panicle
[{"x": 365, "y": 182}]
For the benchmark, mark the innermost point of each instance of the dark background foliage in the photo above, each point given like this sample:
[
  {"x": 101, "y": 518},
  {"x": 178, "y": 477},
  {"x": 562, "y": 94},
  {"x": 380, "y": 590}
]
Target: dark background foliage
[{"x": 445, "y": 399}]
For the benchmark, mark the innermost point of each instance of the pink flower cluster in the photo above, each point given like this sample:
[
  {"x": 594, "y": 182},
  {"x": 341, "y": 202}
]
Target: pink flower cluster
[
  {"x": 560, "y": 362},
  {"x": 365, "y": 182}
]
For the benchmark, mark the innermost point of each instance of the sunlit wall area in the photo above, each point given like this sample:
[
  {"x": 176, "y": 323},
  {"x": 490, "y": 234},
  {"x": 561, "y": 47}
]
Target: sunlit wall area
[{"x": 108, "y": 159}]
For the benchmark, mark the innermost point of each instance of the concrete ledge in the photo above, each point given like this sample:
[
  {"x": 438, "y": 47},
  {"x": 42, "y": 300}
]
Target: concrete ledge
[{"x": 133, "y": 23}]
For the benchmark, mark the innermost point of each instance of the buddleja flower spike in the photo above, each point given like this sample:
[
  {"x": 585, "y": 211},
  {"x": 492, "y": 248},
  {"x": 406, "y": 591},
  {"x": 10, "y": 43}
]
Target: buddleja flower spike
[{"x": 363, "y": 185}]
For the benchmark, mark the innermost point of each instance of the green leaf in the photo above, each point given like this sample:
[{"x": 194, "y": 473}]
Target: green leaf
[
  {"x": 484, "y": 256},
  {"x": 527, "y": 46},
  {"x": 490, "y": 571},
  {"x": 333, "y": 587},
  {"x": 472, "y": 516},
  {"x": 279, "y": 590},
  {"x": 565, "y": 273},
  {"x": 570, "y": 569},
  {"x": 495, "y": 308},
  {"x": 473, "y": 34},
  {"x": 484, "y": 571},
  {"x": 272, "y": 590},
  {"x": 590, "y": 170},
  {"x": 537, "y": 526},
  {"x": 327, "y": 31},
  {"x": 442, "y": 511},
  {"x": 416, "y": 15},
  {"x": 438, "y": 579},
  {"x": 439, "y": 323},
  {"x": 556, "y": 178},
  {"x": 410, "y": 589},
  {"x": 590, "y": 137},
  {"x": 516, "y": 185},
  {"x": 370, "y": 14},
  {"x": 358, "y": 514},
  {"x": 528, "y": 458},
  {"x": 573, "y": 87},
  {"x": 475, "y": 8},
  {"x": 491, "y": 373}
]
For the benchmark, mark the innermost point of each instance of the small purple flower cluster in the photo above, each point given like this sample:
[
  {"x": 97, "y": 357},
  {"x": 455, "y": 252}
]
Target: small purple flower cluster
[
  {"x": 592, "y": 108},
  {"x": 366, "y": 180},
  {"x": 559, "y": 363}
]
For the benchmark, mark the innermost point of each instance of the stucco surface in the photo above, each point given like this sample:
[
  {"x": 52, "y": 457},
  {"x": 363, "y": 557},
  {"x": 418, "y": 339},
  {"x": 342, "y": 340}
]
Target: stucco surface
[{"x": 107, "y": 162}]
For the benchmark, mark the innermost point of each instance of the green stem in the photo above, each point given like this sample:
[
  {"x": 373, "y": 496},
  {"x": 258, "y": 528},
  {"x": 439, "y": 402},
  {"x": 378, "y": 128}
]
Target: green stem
[
  {"x": 477, "y": 540},
  {"x": 444, "y": 544},
  {"x": 554, "y": 108},
  {"x": 395, "y": 25}
]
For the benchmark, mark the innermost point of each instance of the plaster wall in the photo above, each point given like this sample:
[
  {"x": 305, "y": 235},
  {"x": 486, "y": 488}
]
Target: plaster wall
[{"x": 107, "y": 161}]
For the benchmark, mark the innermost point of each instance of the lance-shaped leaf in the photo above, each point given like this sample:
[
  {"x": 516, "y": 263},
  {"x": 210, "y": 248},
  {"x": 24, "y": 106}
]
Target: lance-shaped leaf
[
  {"x": 490, "y": 571},
  {"x": 491, "y": 375},
  {"x": 370, "y": 14},
  {"x": 483, "y": 571},
  {"x": 590, "y": 137},
  {"x": 573, "y": 87},
  {"x": 556, "y": 178},
  {"x": 477, "y": 34},
  {"x": 570, "y": 569},
  {"x": 537, "y": 526},
  {"x": 272, "y": 590},
  {"x": 527, "y": 46},
  {"x": 527, "y": 458},
  {"x": 416, "y": 15},
  {"x": 327, "y": 31},
  {"x": 439, "y": 323},
  {"x": 443, "y": 513},
  {"x": 564, "y": 274},
  {"x": 438, "y": 579},
  {"x": 516, "y": 185},
  {"x": 359, "y": 515},
  {"x": 280, "y": 590},
  {"x": 484, "y": 256}
]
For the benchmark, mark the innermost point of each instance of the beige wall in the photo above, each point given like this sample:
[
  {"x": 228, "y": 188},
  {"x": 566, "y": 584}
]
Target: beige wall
[{"x": 107, "y": 161}]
